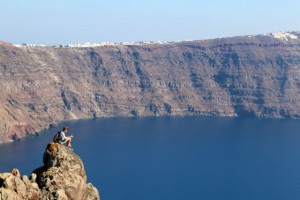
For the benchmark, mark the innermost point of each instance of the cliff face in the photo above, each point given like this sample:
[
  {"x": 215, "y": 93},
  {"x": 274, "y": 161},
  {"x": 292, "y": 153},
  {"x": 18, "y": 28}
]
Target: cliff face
[
  {"x": 257, "y": 76},
  {"x": 62, "y": 177}
]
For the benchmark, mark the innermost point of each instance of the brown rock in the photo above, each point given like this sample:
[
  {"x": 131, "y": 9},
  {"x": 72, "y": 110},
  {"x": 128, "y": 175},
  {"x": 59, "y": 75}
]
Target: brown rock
[
  {"x": 13, "y": 187},
  {"x": 62, "y": 177},
  {"x": 239, "y": 76}
]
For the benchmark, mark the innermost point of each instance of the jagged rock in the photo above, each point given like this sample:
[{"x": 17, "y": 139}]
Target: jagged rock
[
  {"x": 14, "y": 187},
  {"x": 61, "y": 178}
]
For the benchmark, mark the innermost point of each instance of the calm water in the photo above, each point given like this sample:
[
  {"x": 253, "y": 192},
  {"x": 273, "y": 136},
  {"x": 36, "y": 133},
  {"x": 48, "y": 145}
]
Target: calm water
[{"x": 178, "y": 158}]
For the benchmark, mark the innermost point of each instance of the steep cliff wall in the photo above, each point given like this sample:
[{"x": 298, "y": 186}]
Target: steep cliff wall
[{"x": 256, "y": 76}]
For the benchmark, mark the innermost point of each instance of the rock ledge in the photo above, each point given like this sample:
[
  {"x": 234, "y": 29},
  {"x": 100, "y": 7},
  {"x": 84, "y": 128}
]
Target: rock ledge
[{"x": 62, "y": 177}]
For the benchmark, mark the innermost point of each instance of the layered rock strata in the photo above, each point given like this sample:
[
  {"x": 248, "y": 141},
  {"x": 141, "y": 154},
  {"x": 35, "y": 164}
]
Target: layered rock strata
[
  {"x": 239, "y": 76},
  {"x": 62, "y": 177}
]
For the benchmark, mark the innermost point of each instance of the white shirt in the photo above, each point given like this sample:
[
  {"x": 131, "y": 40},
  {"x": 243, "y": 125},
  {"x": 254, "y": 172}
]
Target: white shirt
[{"x": 63, "y": 136}]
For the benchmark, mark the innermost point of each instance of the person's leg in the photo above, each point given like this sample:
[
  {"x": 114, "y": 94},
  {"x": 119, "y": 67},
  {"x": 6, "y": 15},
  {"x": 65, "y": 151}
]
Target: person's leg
[{"x": 68, "y": 141}]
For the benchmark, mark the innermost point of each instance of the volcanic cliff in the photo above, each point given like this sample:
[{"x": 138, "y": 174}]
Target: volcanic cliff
[
  {"x": 62, "y": 177},
  {"x": 250, "y": 75}
]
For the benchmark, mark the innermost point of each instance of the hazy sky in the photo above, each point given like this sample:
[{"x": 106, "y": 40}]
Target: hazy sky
[{"x": 77, "y": 21}]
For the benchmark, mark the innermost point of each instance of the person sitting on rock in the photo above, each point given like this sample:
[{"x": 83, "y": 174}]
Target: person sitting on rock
[{"x": 64, "y": 138}]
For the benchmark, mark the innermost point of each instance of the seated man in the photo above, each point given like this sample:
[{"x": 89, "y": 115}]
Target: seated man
[{"x": 64, "y": 138}]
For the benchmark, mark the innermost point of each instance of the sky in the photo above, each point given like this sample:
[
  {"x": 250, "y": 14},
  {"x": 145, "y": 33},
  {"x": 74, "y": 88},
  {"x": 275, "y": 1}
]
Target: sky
[{"x": 78, "y": 21}]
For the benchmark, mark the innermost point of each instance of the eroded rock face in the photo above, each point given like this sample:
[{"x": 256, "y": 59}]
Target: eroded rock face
[
  {"x": 255, "y": 76},
  {"x": 13, "y": 187},
  {"x": 62, "y": 177}
]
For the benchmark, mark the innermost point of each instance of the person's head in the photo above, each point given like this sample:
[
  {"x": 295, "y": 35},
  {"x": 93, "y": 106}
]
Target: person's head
[{"x": 65, "y": 129}]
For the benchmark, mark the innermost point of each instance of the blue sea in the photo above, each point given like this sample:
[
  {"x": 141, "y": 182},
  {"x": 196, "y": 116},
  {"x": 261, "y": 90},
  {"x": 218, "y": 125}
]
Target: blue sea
[{"x": 179, "y": 158}]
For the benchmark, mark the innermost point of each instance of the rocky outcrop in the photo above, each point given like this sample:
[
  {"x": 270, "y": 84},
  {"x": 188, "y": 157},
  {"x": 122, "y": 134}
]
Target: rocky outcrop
[
  {"x": 254, "y": 76},
  {"x": 13, "y": 187},
  {"x": 61, "y": 178}
]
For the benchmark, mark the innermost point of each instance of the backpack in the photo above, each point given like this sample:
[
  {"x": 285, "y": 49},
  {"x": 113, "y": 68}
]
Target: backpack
[{"x": 57, "y": 137}]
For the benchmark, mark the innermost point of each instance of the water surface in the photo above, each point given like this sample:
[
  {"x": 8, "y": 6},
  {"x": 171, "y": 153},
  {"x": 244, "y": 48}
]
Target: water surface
[{"x": 178, "y": 158}]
